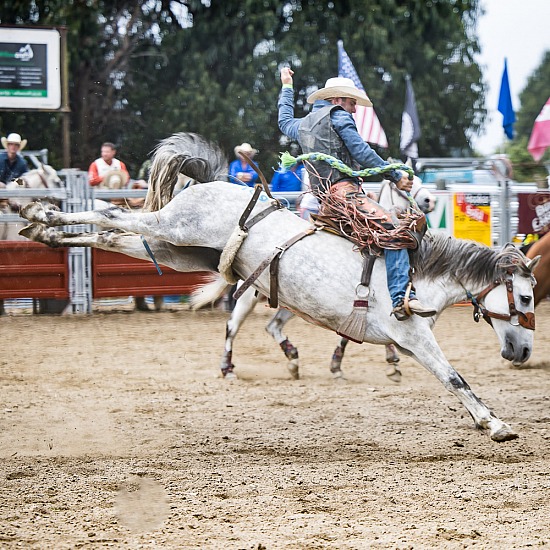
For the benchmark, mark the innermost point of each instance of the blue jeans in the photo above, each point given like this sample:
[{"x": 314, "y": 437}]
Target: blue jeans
[{"x": 397, "y": 273}]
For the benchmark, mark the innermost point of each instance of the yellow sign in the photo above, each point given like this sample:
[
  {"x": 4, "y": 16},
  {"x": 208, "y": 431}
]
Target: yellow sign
[{"x": 472, "y": 217}]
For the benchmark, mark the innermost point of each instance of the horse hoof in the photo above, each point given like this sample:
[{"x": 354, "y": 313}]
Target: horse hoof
[
  {"x": 339, "y": 377},
  {"x": 34, "y": 212},
  {"x": 294, "y": 369},
  {"x": 31, "y": 231},
  {"x": 230, "y": 376},
  {"x": 505, "y": 433},
  {"x": 394, "y": 374}
]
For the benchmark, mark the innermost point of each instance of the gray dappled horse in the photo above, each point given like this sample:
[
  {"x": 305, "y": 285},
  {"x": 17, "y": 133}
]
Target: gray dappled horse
[
  {"x": 390, "y": 198},
  {"x": 319, "y": 274}
]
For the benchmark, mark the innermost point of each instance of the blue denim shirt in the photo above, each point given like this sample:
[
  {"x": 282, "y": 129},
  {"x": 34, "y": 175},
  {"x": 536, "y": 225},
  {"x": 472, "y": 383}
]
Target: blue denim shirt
[
  {"x": 343, "y": 123},
  {"x": 11, "y": 170}
]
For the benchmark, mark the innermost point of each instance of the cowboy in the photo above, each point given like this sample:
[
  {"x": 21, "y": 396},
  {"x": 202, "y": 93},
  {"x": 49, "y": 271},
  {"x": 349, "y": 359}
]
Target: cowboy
[
  {"x": 330, "y": 129},
  {"x": 239, "y": 170},
  {"x": 12, "y": 164},
  {"x": 107, "y": 171}
]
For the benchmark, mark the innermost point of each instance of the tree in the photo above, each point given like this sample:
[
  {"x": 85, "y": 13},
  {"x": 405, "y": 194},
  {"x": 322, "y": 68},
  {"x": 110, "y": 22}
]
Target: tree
[
  {"x": 532, "y": 99},
  {"x": 102, "y": 38},
  {"x": 141, "y": 71}
]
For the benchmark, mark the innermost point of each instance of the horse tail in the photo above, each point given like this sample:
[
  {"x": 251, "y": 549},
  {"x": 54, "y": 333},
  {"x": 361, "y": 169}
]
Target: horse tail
[
  {"x": 182, "y": 153},
  {"x": 208, "y": 293}
]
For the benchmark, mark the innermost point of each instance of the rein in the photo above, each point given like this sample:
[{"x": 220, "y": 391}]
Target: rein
[{"x": 526, "y": 320}]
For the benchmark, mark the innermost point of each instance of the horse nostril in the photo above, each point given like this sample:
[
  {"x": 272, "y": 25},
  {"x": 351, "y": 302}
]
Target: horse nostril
[{"x": 525, "y": 355}]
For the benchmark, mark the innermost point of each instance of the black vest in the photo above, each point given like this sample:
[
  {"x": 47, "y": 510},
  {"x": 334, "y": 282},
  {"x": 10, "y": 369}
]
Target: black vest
[{"x": 316, "y": 134}]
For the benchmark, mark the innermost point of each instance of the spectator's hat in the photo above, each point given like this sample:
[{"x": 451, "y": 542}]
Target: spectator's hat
[
  {"x": 245, "y": 148},
  {"x": 341, "y": 87},
  {"x": 14, "y": 138},
  {"x": 115, "y": 179}
]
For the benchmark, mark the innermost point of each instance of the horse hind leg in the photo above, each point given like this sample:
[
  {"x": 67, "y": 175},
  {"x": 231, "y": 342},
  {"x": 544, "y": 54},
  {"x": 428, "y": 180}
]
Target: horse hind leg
[
  {"x": 336, "y": 360},
  {"x": 275, "y": 329}
]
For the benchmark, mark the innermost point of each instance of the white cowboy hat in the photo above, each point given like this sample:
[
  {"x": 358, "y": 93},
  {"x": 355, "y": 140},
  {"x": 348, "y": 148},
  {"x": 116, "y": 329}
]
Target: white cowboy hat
[
  {"x": 115, "y": 179},
  {"x": 245, "y": 148},
  {"x": 14, "y": 138},
  {"x": 341, "y": 87}
]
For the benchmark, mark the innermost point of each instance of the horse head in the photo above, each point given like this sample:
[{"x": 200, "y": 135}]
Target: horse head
[
  {"x": 422, "y": 196},
  {"x": 508, "y": 304},
  {"x": 50, "y": 174},
  {"x": 390, "y": 196}
]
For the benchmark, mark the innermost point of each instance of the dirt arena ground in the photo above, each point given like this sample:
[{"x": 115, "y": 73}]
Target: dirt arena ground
[{"x": 117, "y": 432}]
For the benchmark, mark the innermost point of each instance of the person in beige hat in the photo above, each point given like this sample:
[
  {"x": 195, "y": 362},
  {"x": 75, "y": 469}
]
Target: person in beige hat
[
  {"x": 239, "y": 170},
  {"x": 12, "y": 164},
  {"x": 330, "y": 129},
  {"x": 108, "y": 171}
]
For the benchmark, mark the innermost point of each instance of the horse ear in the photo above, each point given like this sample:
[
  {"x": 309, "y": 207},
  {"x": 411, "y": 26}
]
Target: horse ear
[{"x": 531, "y": 264}]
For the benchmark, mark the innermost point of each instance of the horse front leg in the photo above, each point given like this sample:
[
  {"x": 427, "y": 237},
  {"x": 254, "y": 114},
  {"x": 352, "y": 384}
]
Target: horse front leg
[
  {"x": 428, "y": 353},
  {"x": 392, "y": 358},
  {"x": 243, "y": 307},
  {"x": 275, "y": 329}
]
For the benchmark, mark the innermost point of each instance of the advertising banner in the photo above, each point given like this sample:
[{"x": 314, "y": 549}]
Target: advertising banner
[
  {"x": 472, "y": 217},
  {"x": 534, "y": 213},
  {"x": 30, "y": 69}
]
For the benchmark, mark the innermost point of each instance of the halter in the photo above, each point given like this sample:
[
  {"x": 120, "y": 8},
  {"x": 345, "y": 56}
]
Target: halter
[{"x": 526, "y": 320}]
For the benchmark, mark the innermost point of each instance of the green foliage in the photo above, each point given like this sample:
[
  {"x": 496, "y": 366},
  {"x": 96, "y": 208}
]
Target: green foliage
[
  {"x": 525, "y": 168},
  {"x": 532, "y": 98},
  {"x": 138, "y": 74}
]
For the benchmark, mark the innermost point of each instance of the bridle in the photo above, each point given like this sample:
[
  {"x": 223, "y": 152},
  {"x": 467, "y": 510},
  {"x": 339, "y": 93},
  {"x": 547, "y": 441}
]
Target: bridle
[{"x": 526, "y": 320}]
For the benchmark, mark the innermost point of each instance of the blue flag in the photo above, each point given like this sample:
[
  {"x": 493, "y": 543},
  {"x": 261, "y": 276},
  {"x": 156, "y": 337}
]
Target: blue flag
[{"x": 505, "y": 104}]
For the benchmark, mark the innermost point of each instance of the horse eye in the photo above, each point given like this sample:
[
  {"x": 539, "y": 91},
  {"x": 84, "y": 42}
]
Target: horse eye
[{"x": 525, "y": 300}]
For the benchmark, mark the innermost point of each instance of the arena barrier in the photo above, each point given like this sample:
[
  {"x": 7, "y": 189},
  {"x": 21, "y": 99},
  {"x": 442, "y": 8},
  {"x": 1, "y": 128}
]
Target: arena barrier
[{"x": 32, "y": 270}]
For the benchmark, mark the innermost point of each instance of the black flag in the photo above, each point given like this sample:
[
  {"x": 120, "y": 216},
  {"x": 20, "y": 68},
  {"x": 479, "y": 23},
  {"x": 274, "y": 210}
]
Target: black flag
[{"x": 410, "y": 125}]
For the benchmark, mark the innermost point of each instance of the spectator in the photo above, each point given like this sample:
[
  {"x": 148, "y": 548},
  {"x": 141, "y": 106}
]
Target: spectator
[
  {"x": 239, "y": 170},
  {"x": 288, "y": 180},
  {"x": 107, "y": 171},
  {"x": 12, "y": 164}
]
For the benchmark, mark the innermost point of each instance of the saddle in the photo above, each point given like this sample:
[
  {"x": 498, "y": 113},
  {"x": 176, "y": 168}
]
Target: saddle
[{"x": 348, "y": 212}]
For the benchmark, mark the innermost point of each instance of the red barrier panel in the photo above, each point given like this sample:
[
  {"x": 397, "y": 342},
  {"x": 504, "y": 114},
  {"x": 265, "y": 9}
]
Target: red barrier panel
[
  {"x": 119, "y": 275},
  {"x": 33, "y": 270}
]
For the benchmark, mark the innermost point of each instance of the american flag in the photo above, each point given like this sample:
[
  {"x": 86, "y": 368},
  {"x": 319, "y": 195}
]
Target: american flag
[{"x": 367, "y": 122}]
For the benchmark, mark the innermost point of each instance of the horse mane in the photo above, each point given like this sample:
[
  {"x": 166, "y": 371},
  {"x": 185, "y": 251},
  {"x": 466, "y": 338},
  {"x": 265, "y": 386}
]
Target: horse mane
[
  {"x": 182, "y": 153},
  {"x": 468, "y": 261}
]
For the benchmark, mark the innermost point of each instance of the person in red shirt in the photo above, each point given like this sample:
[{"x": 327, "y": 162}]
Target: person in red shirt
[{"x": 101, "y": 170}]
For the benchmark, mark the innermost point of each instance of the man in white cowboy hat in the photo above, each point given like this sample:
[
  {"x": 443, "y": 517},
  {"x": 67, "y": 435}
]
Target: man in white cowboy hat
[
  {"x": 330, "y": 129},
  {"x": 12, "y": 164},
  {"x": 107, "y": 171},
  {"x": 239, "y": 170}
]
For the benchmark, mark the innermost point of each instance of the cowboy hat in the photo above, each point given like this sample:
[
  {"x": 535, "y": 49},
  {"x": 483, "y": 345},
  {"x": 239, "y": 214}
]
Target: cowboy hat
[
  {"x": 115, "y": 179},
  {"x": 14, "y": 138},
  {"x": 341, "y": 87},
  {"x": 245, "y": 148}
]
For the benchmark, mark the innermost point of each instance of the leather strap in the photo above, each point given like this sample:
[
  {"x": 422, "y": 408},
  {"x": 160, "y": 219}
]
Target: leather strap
[
  {"x": 259, "y": 217},
  {"x": 260, "y": 173},
  {"x": 250, "y": 206},
  {"x": 368, "y": 265},
  {"x": 275, "y": 255}
]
